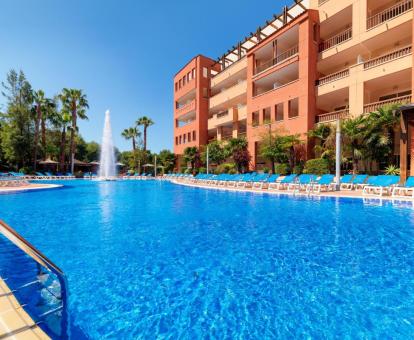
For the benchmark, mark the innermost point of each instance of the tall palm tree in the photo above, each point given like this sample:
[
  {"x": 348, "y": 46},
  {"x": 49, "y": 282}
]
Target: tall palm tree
[
  {"x": 39, "y": 101},
  {"x": 354, "y": 132},
  {"x": 131, "y": 133},
  {"x": 75, "y": 102},
  {"x": 42, "y": 110},
  {"x": 62, "y": 119},
  {"x": 145, "y": 122}
]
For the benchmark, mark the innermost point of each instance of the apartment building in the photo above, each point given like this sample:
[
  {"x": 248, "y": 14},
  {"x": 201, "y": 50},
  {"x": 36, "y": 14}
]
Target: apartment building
[{"x": 316, "y": 62}]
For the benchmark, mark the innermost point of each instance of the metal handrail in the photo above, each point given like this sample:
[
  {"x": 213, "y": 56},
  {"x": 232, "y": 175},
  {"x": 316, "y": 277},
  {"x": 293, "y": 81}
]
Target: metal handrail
[
  {"x": 279, "y": 59},
  {"x": 30, "y": 250},
  {"x": 336, "y": 40}
]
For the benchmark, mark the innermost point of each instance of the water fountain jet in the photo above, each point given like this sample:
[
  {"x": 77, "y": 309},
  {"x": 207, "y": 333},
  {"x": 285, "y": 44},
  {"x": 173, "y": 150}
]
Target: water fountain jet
[{"x": 107, "y": 166}]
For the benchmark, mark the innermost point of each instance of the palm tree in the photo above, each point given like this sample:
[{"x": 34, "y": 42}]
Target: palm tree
[
  {"x": 354, "y": 132},
  {"x": 289, "y": 143},
  {"x": 63, "y": 120},
  {"x": 75, "y": 102},
  {"x": 145, "y": 122},
  {"x": 39, "y": 100},
  {"x": 192, "y": 156},
  {"x": 131, "y": 133}
]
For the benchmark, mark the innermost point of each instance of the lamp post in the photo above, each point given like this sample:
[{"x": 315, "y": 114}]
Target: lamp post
[
  {"x": 155, "y": 167},
  {"x": 338, "y": 155},
  {"x": 207, "y": 161}
]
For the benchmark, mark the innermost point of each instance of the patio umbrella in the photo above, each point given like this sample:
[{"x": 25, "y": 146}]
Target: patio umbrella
[
  {"x": 47, "y": 162},
  {"x": 148, "y": 165},
  {"x": 94, "y": 163}
]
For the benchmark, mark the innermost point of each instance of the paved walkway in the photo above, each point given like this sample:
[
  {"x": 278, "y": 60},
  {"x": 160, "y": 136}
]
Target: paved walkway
[{"x": 15, "y": 323}]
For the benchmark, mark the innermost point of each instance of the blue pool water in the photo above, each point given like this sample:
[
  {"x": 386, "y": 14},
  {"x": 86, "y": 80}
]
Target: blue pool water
[{"x": 148, "y": 259}]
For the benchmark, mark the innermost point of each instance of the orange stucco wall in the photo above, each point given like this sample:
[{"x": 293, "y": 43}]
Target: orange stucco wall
[
  {"x": 199, "y": 125},
  {"x": 303, "y": 88}
]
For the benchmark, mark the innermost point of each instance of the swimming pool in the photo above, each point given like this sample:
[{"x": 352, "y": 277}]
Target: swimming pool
[{"x": 146, "y": 258}]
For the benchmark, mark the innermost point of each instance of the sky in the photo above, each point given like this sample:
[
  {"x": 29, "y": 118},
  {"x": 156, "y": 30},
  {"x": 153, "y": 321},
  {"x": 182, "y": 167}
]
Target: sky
[{"x": 122, "y": 53}]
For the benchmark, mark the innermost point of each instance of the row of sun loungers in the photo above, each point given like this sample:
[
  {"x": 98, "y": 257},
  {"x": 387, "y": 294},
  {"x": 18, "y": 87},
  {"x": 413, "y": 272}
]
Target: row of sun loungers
[
  {"x": 143, "y": 176},
  {"x": 383, "y": 185}
]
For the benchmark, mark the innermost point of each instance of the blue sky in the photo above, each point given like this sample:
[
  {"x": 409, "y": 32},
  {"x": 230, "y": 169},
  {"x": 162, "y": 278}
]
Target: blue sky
[{"x": 122, "y": 53}]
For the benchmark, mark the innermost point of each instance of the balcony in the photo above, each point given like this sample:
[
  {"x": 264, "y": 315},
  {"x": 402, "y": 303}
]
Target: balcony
[
  {"x": 389, "y": 13},
  {"x": 372, "y": 107},
  {"x": 332, "y": 116},
  {"x": 236, "y": 70},
  {"x": 278, "y": 60},
  {"x": 229, "y": 97},
  {"x": 388, "y": 57},
  {"x": 188, "y": 107},
  {"x": 321, "y": 2},
  {"x": 336, "y": 40},
  {"x": 332, "y": 77}
]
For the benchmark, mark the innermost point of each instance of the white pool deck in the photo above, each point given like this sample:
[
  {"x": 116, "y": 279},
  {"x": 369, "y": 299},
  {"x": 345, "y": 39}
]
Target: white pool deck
[
  {"x": 29, "y": 187},
  {"x": 339, "y": 194},
  {"x": 15, "y": 323}
]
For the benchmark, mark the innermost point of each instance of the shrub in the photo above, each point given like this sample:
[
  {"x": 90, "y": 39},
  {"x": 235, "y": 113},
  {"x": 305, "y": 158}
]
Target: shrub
[
  {"x": 282, "y": 169},
  {"x": 392, "y": 170},
  {"x": 188, "y": 171},
  {"x": 317, "y": 166},
  {"x": 232, "y": 171},
  {"x": 202, "y": 170},
  {"x": 225, "y": 168},
  {"x": 266, "y": 170},
  {"x": 297, "y": 169},
  {"x": 79, "y": 174}
]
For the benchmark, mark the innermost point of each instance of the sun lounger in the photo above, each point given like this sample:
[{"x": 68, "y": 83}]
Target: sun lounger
[
  {"x": 405, "y": 190},
  {"x": 383, "y": 184},
  {"x": 272, "y": 179},
  {"x": 323, "y": 183},
  {"x": 284, "y": 183},
  {"x": 301, "y": 182},
  {"x": 346, "y": 182}
]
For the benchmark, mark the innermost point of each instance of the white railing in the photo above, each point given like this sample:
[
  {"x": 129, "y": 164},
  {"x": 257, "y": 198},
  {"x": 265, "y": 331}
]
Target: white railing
[
  {"x": 389, "y": 13},
  {"x": 332, "y": 77},
  {"x": 372, "y": 107},
  {"x": 336, "y": 40},
  {"x": 332, "y": 116},
  {"x": 388, "y": 57},
  {"x": 280, "y": 58}
]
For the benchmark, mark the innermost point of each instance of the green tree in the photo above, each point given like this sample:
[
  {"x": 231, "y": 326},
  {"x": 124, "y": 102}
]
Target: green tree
[
  {"x": 17, "y": 126},
  {"x": 237, "y": 149},
  {"x": 76, "y": 103},
  {"x": 354, "y": 132},
  {"x": 216, "y": 153},
  {"x": 41, "y": 109},
  {"x": 166, "y": 158},
  {"x": 92, "y": 151},
  {"x": 290, "y": 143},
  {"x": 145, "y": 122},
  {"x": 133, "y": 134},
  {"x": 272, "y": 148},
  {"x": 192, "y": 156}
]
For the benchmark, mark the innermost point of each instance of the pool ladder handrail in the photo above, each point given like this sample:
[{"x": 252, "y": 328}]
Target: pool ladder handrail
[{"x": 14, "y": 237}]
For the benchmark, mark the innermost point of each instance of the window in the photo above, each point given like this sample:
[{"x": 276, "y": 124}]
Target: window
[
  {"x": 184, "y": 138},
  {"x": 179, "y": 83},
  {"x": 176, "y": 140},
  {"x": 180, "y": 140},
  {"x": 193, "y": 73},
  {"x": 183, "y": 80},
  {"x": 205, "y": 72},
  {"x": 279, "y": 112},
  {"x": 189, "y": 137},
  {"x": 176, "y": 86},
  {"x": 194, "y": 135},
  {"x": 255, "y": 118},
  {"x": 293, "y": 108},
  {"x": 188, "y": 77},
  {"x": 267, "y": 116}
]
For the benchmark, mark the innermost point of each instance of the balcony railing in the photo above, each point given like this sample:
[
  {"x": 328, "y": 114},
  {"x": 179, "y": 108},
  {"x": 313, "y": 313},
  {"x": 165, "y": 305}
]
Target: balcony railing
[
  {"x": 222, "y": 114},
  {"x": 388, "y": 57},
  {"x": 390, "y": 13},
  {"x": 332, "y": 116},
  {"x": 186, "y": 107},
  {"x": 279, "y": 59},
  {"x": 336, "y": 40},
  {"x": 332, "y": 77},
  {"x": 321, "y": 2},
  {"x": 372, "y": 107}
]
